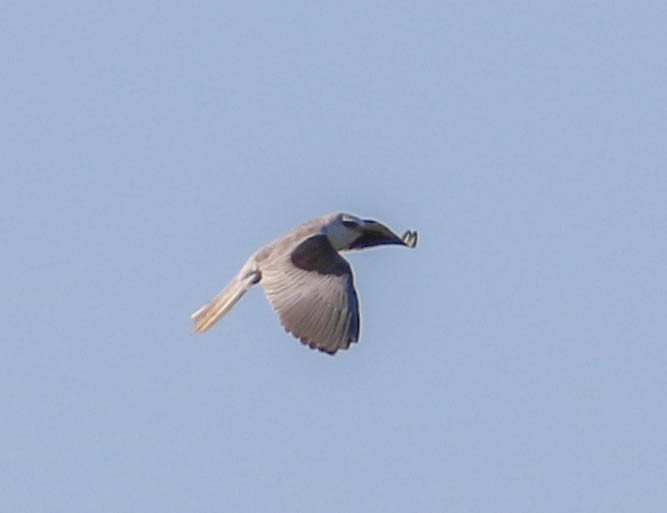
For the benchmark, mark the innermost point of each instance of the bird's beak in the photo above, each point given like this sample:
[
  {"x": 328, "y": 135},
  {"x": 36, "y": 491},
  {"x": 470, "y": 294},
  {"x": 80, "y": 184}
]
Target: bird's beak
[{"x": 377, "y": 234}]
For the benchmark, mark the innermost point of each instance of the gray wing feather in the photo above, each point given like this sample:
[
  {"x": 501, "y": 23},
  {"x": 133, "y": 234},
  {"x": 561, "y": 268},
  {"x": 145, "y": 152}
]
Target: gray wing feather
[{"x": 312, "y": 290}]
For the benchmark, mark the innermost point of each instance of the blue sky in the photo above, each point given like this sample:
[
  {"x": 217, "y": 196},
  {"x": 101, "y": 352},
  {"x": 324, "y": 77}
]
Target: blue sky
[{"x": 515, "y": 361}]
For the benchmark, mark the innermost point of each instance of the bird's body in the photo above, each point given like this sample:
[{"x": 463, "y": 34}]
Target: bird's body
[{"x": 306, "y": 280}]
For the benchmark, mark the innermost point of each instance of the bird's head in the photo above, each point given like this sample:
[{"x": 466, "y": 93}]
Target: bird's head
[{"x": 346, "y": 231}]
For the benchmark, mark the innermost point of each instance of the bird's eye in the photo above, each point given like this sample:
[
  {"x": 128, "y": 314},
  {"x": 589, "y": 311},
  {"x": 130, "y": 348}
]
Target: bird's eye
[{"x": 349, "y": 224}]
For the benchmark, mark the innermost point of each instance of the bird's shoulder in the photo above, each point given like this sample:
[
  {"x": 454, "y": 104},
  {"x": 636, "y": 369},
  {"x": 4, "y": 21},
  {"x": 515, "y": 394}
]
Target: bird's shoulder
[
  {"x": 282, "y": 247},
  {"x": 316, "y": 254}
]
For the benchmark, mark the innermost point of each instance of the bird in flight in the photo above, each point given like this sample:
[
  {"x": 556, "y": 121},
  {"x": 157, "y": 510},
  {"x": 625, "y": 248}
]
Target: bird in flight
[{"x": 308, "y": 283}]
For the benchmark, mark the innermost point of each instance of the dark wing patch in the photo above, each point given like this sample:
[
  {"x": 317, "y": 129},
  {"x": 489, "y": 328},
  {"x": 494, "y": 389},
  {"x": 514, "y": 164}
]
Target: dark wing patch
[{"x": 317, "y": 254}]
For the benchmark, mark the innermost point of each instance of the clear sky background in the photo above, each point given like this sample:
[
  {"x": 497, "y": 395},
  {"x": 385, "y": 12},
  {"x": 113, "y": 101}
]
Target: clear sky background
[{"x": 516, "y": 361}]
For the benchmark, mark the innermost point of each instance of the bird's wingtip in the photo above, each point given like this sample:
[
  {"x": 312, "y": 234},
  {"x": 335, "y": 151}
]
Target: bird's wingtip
[{"x": 410, "y": 238}]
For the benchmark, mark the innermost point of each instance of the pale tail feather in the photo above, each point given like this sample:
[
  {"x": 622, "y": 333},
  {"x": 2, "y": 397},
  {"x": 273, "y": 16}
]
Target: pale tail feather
[{"x": 211, "y": 312}]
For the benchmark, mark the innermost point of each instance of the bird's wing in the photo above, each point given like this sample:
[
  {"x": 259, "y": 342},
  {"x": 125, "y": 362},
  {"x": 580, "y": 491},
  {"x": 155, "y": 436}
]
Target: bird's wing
[{"x": 312, "y": 290}]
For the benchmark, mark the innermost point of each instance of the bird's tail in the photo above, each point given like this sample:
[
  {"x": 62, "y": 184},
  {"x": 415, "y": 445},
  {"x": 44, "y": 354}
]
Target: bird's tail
[{"x": 222, "y": 303}]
